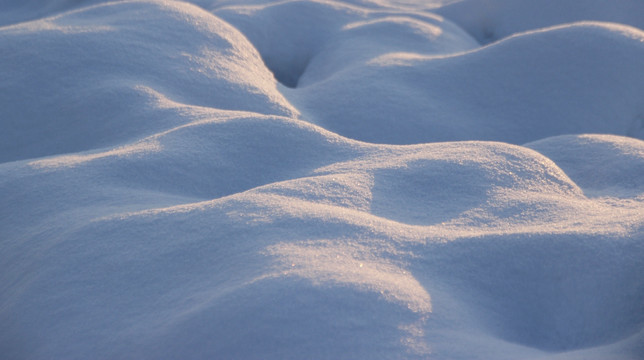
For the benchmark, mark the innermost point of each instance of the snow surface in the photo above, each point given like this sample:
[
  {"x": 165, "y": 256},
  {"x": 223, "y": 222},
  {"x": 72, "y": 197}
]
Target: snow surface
[{"x": 310, "y": 179}]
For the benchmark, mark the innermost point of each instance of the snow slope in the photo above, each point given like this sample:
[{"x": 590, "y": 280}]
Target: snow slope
[{"x": 321, "y": 180}]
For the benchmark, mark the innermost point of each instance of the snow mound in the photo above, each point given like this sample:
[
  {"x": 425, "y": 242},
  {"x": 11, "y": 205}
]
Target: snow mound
[
  {"x": 16, "y": 11},
  {"x": 265, "y": 180},
  {"x": 598, "y": 163},
  {"x": 527, "y": 87},
  {"x": 491, "y": 20},
  {"x": 90, "y": 99},
  {"x": 290, "y": 267},
  {"x": 304, "y": 42}
]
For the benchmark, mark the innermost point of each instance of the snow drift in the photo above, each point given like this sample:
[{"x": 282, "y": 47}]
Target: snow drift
[{"x": 318, "y": 179}]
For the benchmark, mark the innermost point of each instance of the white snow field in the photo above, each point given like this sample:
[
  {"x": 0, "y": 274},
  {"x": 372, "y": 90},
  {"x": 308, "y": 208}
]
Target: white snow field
[{"x": 312, "y": 179}]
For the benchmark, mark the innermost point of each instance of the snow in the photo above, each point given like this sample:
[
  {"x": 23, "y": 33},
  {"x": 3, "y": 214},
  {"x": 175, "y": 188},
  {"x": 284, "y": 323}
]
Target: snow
[{"x": 381, "y": 179}]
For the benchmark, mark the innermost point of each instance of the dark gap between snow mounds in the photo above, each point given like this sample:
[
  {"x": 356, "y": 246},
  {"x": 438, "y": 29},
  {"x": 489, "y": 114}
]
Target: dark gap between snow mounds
[
  {"x": 287, "y": 72},
  {"x": 288, "y": 35}
]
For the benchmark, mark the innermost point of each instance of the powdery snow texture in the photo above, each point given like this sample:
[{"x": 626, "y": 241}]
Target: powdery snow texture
[{"x": 322, "y": 180}]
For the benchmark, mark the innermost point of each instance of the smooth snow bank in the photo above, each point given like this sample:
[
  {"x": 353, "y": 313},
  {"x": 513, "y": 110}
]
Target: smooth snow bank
[
  {"x": 92, "y": 77},
  {"x": 162, "y": 199},
  {"x": 491, "y": 20},
  {"x": 358, "y": 249},
  {"x": 579, "y": 78},
  {"x": 598, "y": 163},
  {"x": 16, "y": 11},
  {"x": 428, "y": 80},
  {"x": 304, "y": 42}
]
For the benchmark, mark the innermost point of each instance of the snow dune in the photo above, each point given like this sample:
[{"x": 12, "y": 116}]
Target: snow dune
[{"x": 321, "y": 180}]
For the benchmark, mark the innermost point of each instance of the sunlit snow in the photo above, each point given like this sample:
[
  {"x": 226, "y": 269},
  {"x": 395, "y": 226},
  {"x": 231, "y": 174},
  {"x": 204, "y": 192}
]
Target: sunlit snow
[{"x": 313, "y": 179}]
